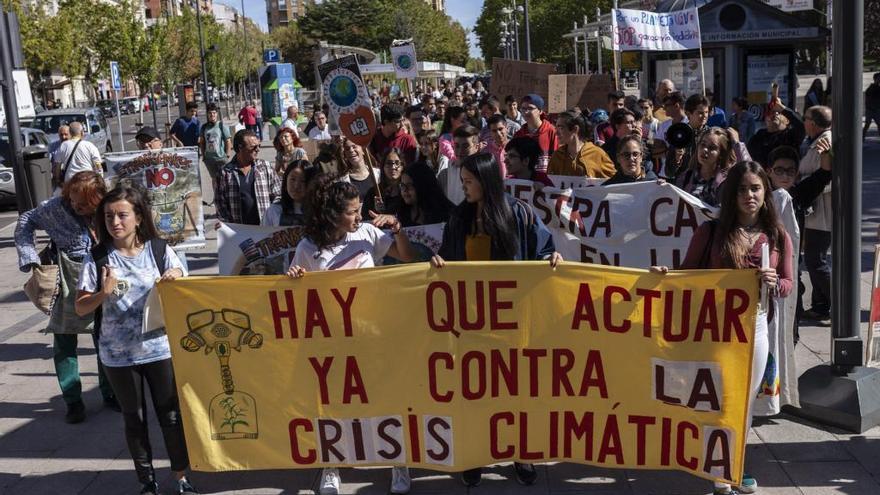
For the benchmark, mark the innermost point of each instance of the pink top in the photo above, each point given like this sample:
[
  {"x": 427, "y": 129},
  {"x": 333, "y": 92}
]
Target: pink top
[
  {"x": 446, "y": 148},
  {"x": 697, "y": 249}
]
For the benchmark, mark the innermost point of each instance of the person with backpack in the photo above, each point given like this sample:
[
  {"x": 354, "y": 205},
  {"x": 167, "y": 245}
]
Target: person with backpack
[
  {"x": 215, "y": 144},
  {"x": 67, "y": 220},
  {"x": 116, "y": 278}
]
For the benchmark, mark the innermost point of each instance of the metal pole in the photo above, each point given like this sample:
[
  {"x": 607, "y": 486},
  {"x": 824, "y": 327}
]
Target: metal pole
[
  {"x": 528, "y": 36},
  {"x": 586, "y": 48},
  {"x": 847, "y": 176},
  {"x": 23, "y": 187},
  {"x": 119, "y": 120},
  {"x": 599, "y": 39},
  {"x": 202, "y": 56},
  {"x": 245, "y": 48},
  {"x": 515, "y": 31},
  {"x": 577, "y": 69}
]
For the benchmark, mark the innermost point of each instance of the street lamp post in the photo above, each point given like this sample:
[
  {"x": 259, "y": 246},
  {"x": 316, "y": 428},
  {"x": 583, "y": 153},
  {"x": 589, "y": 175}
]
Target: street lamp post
[
  {"x": 528, "y": 38},
  {"x": 202, "y": 56}
]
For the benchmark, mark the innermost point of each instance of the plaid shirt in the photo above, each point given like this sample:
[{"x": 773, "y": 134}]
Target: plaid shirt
[{"x": 267, "y": 188}]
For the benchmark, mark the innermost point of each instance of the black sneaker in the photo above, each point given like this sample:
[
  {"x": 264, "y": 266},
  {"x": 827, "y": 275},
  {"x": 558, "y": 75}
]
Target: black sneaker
[
  {"x": 112, "y": 404},
  {"x": 525, "y": 473},
  {"x": 76, "y": 413},
  {"x": 472, "y": 477},
  {"x": 150, "y": 488},
  {"x": 184, "y": 487}
]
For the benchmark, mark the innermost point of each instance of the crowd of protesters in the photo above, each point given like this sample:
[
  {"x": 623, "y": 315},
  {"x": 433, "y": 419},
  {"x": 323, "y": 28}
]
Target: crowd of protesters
[{"x": 439, "y": 155}]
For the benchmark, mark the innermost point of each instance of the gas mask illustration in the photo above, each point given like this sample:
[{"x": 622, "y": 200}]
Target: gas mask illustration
[{"x": 233, "y": 412}]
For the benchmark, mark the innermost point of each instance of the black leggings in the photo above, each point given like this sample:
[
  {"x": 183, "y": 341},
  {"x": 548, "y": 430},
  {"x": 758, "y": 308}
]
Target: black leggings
[{"x": 128, "y": 385}]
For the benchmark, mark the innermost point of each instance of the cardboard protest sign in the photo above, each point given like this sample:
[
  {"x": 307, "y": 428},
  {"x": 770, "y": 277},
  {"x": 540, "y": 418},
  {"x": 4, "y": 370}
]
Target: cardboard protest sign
[
  {"x": 518, "y": 78},
  {"x": 265, "y": 250},
  {"x": 171, "y": 178},
  {"x": 403, "y": 57},
  {"x": 504, "y": 361},
  {"x": 655, "y": 31},
  {"x": 348, "y": 98},
  {"x": 585, "y": 91}
]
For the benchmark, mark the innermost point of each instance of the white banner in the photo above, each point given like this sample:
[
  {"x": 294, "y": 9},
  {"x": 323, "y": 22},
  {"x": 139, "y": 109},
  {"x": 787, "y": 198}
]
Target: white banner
[
  {"x": 258, "y": 250},
  {"x": 791, "y": 5},
  {"x": 403, "y": 58},
  {"x": 636, "y": 225},
  {"x": 171, "y": 178},
  {"x": 640, "y": 30}
]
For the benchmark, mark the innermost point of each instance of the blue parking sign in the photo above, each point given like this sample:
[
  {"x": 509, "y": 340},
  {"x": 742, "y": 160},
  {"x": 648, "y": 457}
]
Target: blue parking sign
[
  {"x": 115, "y": 77},
  {"x": 272, "y": 55}
]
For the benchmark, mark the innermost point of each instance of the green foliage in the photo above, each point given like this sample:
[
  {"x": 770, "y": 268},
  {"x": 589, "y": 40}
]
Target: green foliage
[
  {"x": 372, "y": 24},
  {"x": 548, "y": 19}
]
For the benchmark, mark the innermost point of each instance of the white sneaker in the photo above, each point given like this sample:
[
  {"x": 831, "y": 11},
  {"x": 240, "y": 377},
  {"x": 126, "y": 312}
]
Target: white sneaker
[
  {"x": 400, "y": 480},
  {"x": 330, "y": 481}
]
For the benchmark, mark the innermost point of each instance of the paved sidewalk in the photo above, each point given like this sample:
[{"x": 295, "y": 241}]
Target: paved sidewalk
[{"x": 40, "y": 454}]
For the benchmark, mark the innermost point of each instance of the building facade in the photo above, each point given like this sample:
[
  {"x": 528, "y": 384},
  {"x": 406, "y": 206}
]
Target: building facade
[
  {"x": 154, "y": 9},
  {"x": 226, "y": 16},
  {"x": 439, "y": 5},
  {"x": 280, "y": 13}
]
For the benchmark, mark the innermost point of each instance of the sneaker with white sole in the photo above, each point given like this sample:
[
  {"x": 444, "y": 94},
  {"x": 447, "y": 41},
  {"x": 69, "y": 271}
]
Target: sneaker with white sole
[
  {"x": 749, "y": 484},
  {"x": 400, "y": 480},
  {"x": 330, "y": 481}
]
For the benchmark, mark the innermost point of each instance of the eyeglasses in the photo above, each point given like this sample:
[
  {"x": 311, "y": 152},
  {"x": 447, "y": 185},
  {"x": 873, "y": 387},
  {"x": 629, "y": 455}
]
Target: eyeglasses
[
  {"x": 630, "y": 154},
  {"x": 527, "y": 108},
  {"x": 791, "y": 172},
  {"x": 395, "y": 164},
  {"x": 255, "y": 147}
]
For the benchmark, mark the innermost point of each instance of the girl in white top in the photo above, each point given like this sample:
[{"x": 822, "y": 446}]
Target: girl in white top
[{"x": 335, "y": 239}]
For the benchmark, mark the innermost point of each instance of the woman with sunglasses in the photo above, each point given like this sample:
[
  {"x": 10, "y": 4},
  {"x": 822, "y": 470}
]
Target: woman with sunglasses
[{"x": 631, "y": 157}]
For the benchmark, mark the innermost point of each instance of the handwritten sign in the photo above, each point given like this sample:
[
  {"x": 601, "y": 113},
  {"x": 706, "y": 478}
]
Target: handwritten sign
[
  {"x": 518, "y": 78},
  {"x": 655, "y": 31}
]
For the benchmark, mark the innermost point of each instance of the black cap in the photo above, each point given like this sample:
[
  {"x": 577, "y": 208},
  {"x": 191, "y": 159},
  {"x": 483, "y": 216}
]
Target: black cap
[{"x": 147, "y": 132}]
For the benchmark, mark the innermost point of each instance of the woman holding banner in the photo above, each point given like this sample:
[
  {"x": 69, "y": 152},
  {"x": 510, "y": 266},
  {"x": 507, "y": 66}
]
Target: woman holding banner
[
  {"x": 115, "y": 281},
  {"x": 490, "y": 225},
  {"x": 747, "y": 235},
  {"x": 634, "y": 163},
  {"x": 336, "y": 239},
  {"x": 290, "y": 209}
]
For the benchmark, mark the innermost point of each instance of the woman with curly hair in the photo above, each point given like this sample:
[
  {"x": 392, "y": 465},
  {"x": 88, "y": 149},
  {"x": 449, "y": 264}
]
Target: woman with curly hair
[
  {"x": 336, "y": 239},
  {"x": 288, "y": 150}
]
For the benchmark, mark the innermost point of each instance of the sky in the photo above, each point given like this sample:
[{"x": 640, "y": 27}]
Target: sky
[{"x": 464, "y": 11}]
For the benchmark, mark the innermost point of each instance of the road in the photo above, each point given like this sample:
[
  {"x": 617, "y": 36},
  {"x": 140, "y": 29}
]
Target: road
[{"x": 130, "y": 127}]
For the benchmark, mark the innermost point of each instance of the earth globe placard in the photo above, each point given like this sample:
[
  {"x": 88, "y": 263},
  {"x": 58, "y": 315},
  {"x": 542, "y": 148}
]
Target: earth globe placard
[
  {"x": 404, "y": 61},
  {"x": 343, "y": 91}
]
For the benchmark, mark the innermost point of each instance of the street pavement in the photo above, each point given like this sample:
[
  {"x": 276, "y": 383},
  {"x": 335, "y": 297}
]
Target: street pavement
[{"x": 40, "y": 454}]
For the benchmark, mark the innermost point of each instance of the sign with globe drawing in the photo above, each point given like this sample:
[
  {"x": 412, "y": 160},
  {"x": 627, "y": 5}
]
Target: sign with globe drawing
[
  {"x": 403, "y": 55},
  {"x": 349, "y": 101}
]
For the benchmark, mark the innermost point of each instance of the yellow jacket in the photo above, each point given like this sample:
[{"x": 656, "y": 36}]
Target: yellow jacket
[{"x": 591, "y": 161}]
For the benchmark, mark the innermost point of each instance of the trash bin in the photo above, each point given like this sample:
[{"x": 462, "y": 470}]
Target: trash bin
[{"x": 38, "y": 174}]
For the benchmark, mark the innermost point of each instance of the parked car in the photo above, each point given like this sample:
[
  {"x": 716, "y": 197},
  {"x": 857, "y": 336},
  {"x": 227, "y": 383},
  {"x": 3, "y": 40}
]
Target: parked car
[
  {"x": 132, "y": 102},
  {"x": 34, "y": 141},
  {"x": 108, "y": 108},
  {"x": 93, "y": 120}
]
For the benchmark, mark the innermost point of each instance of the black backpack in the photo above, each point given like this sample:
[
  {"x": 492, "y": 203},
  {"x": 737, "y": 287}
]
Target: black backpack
[{"x": 100, "y": 255}]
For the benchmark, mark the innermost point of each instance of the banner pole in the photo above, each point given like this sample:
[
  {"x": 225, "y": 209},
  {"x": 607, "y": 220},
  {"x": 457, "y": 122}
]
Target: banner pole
[{"x": 702, "y": 66}]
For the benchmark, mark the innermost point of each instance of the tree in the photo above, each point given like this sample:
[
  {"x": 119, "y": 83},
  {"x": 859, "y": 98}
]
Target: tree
[
  {"x": 872, "y": 34},
  {"x": 548, "y": 20}
]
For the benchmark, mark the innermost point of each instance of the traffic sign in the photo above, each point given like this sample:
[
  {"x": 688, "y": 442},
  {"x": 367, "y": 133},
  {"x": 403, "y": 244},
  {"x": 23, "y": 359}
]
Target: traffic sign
[
  {"x": 115, "y": 78},
  {"x": 272, "y": 55}
]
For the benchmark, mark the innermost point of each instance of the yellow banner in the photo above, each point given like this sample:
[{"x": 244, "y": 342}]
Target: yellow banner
[{"x": 465, "y": 366}]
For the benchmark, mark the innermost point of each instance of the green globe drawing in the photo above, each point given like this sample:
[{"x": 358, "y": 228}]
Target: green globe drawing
[
  {"x": 343, "y": 91},
  {"x": 404, "y": 62}
]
